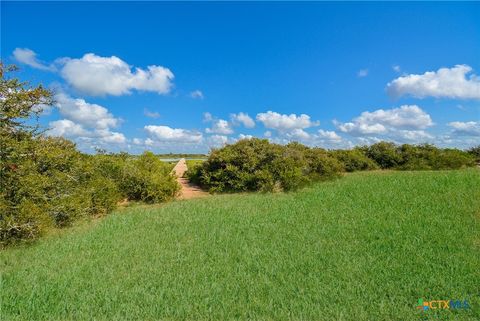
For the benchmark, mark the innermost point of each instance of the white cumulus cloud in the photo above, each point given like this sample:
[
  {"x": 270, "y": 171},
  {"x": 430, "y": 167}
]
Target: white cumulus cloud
[
  {"x": 85, "y": 121},
  {"x": 66, "y": 128},
  {"x": 243, "y": 136},
  {"x": 297, "y": 134},
  {"x": 217, "y": 140},
  {"x": 220, "y": 126},
  {"x": 29, "y": 57},
  {"x": 470, "y": 128},
  {"x": 285, "y": 123},
  {"x": 84, "y": 113},
  {"x": 328, "y": 135},
  {"x": 242, "y": 119},
  {"x": 382, "y": 121},
  {"x": 443, "y": 83},
  {"x": 168, "y": 134},
  {"x": 98, "y": 76}
]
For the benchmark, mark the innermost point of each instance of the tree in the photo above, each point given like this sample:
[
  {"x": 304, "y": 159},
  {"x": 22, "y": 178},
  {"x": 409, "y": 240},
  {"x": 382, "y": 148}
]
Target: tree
[{"x": 19, "y": 102}]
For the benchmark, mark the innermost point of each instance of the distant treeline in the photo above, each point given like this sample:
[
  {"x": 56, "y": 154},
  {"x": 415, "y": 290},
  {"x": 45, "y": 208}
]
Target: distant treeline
[
  {"x": 171, "y": 155},
  {"x": 258, "y": 165}
]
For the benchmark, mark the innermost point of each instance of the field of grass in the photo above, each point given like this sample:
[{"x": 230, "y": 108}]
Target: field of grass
[
  {"x": 193, "y": 162},
  {"x": 365, "y": 247}
]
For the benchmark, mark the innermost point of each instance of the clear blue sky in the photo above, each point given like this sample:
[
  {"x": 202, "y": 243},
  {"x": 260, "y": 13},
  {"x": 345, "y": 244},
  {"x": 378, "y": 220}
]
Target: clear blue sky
[{"x": 412, "y": 69}]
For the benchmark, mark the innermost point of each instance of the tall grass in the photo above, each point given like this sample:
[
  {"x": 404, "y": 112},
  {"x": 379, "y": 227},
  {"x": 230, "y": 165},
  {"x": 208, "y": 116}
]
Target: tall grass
[{"x": 366, "y": 247}]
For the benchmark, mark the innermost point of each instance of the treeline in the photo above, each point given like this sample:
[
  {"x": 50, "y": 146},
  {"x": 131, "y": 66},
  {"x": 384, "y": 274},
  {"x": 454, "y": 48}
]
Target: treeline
[
  {"x": 258, "y": 165},
  {"x": 172, "y": 155},
  {"x": 46, "y": 182}
]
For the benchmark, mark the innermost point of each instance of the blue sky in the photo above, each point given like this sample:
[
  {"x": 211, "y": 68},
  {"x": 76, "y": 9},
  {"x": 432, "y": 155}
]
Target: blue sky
[{"x": 185, "y": 77}]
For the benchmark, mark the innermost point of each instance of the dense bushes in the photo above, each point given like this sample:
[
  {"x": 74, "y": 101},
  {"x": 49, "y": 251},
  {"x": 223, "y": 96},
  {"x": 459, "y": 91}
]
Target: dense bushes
[
  {"x": 46, "y": 182},
  {"x": 53, "y": 184},
  {"x": 354, "y": 160},
  {"x": 258, "y": 165},
  {"x": 417, "y": 157},
  {"x": 475, "y": 152}
]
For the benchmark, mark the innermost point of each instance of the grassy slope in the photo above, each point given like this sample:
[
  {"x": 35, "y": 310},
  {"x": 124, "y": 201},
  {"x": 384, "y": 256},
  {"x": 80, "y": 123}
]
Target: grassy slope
[{"x": 365, "y": 247}]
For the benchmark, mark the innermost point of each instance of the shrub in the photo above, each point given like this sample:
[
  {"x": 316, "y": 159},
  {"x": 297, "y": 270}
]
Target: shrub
[
  {"x": 426, "y": 156},
  {"x": 354, "y": 160},
  {"x": 147, "y": 179},
  {"x": 258, "y": 165},
  {"x": 385, "y": 154},
  {"x": 475, "y": 152},
  {"x": 46, "y": 182}
]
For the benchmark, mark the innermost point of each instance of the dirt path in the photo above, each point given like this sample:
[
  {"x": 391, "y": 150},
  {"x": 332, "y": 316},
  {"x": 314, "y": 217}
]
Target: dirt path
[{"x": 188, "y": 190}]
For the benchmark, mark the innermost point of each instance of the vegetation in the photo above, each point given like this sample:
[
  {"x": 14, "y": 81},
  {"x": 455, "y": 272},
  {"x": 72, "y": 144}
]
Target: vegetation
[
  {"x": 475, "y": 152},
  {"x": 417, "y": 157},
  {"x": 354, "y": 160},
  {"x": 365, "y": 247},
  {"x": 172, "y": 155},
  {"x": 258, "y": 165},
  {"x": 46, "y": 182}
]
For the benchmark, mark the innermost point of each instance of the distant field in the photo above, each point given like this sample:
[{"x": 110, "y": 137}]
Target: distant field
[
  {"x": 194, "y": 162},
  {"x": 365, "y": 247}
]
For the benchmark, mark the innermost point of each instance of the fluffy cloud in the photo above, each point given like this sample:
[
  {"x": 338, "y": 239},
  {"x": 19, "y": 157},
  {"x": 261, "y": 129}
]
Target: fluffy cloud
[
  {"x": 410, "y": 135},
  {"x": 168, "y": 134},
  {"x": 382, "y": 121},
  {"x": 329, "y": 135},
  {"x": 196, "y": 94},
  {"x": 29, "y": 57},
  {"x": 443, "y": 83},
  {"x": 470, "y": 128},
  {"x": 217, "y": 140},
  {"x": 298, "y": 134},
  {"x": 242, "y": 136},
  {"x": 97, "y": 76},
  {"x": 242, "y": 119},
  {"x": 220, "y": 126},
  {"x": 85, "y": 121},
  {"x": 285, "y": 123},
  {"x": 67, "y": 128},
  {"x": 110, "y": 137},
  {"x": 84, "y": 113}
]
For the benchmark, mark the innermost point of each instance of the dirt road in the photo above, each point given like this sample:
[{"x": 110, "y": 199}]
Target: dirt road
[{"x": 188, "y": 190}]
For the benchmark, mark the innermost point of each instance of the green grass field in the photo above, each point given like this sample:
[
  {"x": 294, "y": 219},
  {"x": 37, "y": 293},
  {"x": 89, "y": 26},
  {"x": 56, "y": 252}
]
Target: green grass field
[{"x": 364, "y": 247}]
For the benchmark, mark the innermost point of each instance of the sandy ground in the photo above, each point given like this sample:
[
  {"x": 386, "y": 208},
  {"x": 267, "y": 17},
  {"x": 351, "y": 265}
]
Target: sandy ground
[{"x": 188, "y": 190}]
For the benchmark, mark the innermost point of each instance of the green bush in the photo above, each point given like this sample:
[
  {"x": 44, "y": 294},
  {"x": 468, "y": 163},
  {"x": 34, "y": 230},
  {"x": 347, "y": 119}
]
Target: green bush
[
  {"x": 46, "y": 182},
  {"x": 429, "y": 157},
  {"x": 385, "y": 154},
  {"x": 147, "y": 179},
  {"x": 258, "y": 165},
  {"x": 475, "y": 152},
  {"x": 354, "y": 160}
]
